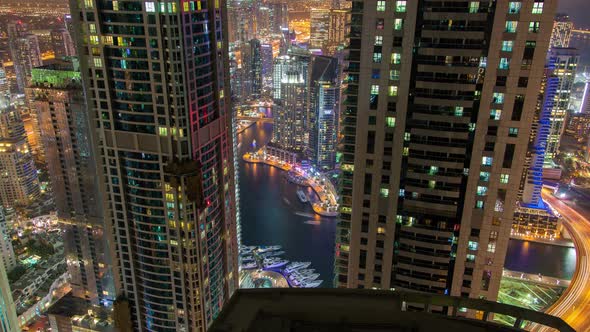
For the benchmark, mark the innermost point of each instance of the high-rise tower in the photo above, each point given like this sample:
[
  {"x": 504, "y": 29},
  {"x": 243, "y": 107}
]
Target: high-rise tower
[
  {"x": 57, "y": 98},
  {"x": 24, "y": 51},
  {"x": 158, "y": 93},
  {"x": 433, "y": 126},
  {"x": 19, "y": 182}
]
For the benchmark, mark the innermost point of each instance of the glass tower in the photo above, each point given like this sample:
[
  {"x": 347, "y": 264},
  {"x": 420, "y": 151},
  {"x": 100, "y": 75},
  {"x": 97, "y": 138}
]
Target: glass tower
[{"x": 158, "y": 92}]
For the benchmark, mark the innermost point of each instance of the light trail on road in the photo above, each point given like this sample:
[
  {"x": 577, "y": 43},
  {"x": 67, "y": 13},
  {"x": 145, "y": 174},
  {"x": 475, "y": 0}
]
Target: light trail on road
[{"x": 574, "y": 305}]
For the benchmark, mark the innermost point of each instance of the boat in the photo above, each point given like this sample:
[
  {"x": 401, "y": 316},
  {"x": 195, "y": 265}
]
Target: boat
[
  {"x": 272, "y": 253},
  {"x": 311, "y": 284},
  {"x": 249, "y": 265},
  {"x": 296, "y": 266},
  {"x": 301, "y": 195},
  {"x": 272, "y": 264},
  {"x": 298, "y": 280},
  {"x": 263, "y": 249},
  {"x": 247, "y": 249},
  {"x": 247, "y": 258},
  {"x": 305, "y": 271}
]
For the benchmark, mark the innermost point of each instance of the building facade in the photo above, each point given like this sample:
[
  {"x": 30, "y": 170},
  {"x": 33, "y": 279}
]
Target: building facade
[
  {"x": 57, "y": 97},
  {"x": 323, "y": 115},
  {"x": 562, "y": 31},
  {"x": 6, "y": 250},
  {"x": 565, "y": 61},
  {"x": 291, "y": 88},
  {"x": 19, "y": 182},
  {"x": 156, "y": 81},
  {"x": 62, "y": 43},
  {"x": 432, "y": 131},
  {"x": 319, "y": 28},
  {"x": 24, "y": 51},
  {"x": 8, "y": 318}
]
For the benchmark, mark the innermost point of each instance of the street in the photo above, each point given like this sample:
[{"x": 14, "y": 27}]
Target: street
[{"x": 574, "y": 305}]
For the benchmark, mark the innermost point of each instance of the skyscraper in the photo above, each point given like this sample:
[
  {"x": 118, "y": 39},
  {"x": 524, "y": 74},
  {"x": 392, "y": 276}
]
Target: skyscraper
[
  {"x": 566, "y": 62},
  {"x": 24, "y": 51},
  {"x": 61, "y": 42},
  {"x": 156, "y": 80},
  {"x": 562, "y": 31},
  {"x": 4, "y": 85},
  {"x": 323, "y": 115},
  {"x": 291, "y": 100},
  {"x": 337, "y": 29},
  {"x": 6, "y": 250},
  {"x": 431, "y": 141},
  {"x": 57, "y": 98},
  {"x": 19, "y": 182},
  {"x": 8, "y": 318},
  {"x": 319, "y": 28}
]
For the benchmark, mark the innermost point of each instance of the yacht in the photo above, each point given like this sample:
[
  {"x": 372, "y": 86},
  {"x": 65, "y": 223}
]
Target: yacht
[
  {"x": 301, "y": 195},
  {"x": 247, "y": 258},
  {"x": 272, "y": 253},
  {"x": 311, "y": 284},
  {"x": 274, "y": 263},
  {"x": 298, "y": 280},
  {"x": 249, "y": 265},
  {"x": 263, "y": 249},
  {"x": 296, "y": 266}
]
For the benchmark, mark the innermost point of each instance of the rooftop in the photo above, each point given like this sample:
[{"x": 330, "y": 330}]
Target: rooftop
[{"x": 319, "y": 310}]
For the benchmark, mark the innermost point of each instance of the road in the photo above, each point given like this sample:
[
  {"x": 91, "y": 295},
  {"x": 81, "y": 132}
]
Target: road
[{"x": 574, "y": 305}]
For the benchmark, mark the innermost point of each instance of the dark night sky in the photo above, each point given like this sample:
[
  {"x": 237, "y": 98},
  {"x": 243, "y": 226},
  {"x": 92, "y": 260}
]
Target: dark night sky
[{"x": 578, "y": 10}]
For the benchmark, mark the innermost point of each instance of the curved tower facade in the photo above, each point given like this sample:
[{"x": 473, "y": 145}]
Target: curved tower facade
[{"x": 155, "y": 76}]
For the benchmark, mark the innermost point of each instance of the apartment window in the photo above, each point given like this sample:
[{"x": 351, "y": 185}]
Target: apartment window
[
  {"x": 507, "y": 45},
  {"x": 398, "y": 24},
  {"x": 504, "y": 63},
  {"x": 384, "y": 192},
  {"x": 472, "y": 245},
  {"x": 513, "y": 132},
  {"x": 470, "y": 258},
  {"x": 400, "y": 6},
  {"x": 390, "y": 121},
  {"x": 458, "y": 110},
  {"x": 511, "y": 26},
  {"x": 376, "y": 74},
  {"x": 538, "y": 8},
  {"x": 514, "y": 7},
  {"x": 486, "y": 278},
  {"x": 479, "y": 204},
  {"x": 534, "y": 26},
  {"x": 98, "y": 62},
  {"x": 474, "y": 7},
  {"x": 380, "y": 24},
  {"x": 484, "y": 176},
  {"x": 378, "y": 40},
  {"x": 504, "y": 178},
  {"x": 498, "y": 98},
  {"x": 394, "y": 74},
  {"x": 88, "y": 4},
  {"x": 482, "y": 190},
  {"x": 380, "y": 6},
  {"x": 495, "y": 114},
  {"x": 372, "y": 120},
  {"x": 523, "y": 82},
  {"x": 393, "y": 90},
  {"x": 396, "y": 58},
  {"x": 377, "y": 57},
  {"x": 406, "y": 151},
  {"x": 402, "y": 193},
  {"x": 374, "y": 89},
  {"x": 380, "y": 230},
  {"x": 487, "y": 161},
  {"x": 407, "y": 136}
]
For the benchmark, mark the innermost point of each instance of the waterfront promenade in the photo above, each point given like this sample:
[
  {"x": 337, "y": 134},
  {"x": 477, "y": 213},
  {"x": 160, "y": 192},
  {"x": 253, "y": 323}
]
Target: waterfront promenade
[{"x": 327, "y": 205}]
